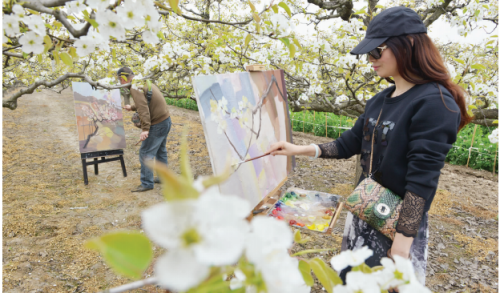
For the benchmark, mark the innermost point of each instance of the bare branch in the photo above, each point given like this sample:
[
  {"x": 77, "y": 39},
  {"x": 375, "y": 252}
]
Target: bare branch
[
  {"x": 131, "y": 286},
  {"x": 11, "y": 102},
  {"x": 13, "y": 55}
]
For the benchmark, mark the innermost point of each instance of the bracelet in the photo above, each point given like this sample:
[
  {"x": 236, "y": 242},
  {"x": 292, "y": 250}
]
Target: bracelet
[{"x": 316, "y": 147}]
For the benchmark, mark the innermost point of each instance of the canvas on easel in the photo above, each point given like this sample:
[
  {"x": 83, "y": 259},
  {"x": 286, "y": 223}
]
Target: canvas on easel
[
  {"x": 99, "y": 118},
  {"x": 242, "y": 115},
  {"x": 99, "y": 122}
]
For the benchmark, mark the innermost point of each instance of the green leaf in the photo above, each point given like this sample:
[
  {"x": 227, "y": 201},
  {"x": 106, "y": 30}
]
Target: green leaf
[
  {"x": 287, "y": 9},
  {"x": 174, "y": 187},
  {"x": 292, "y": 50},
  {"x": 361, "y": 11},
  {"x": 494, "y": 122},
  {"x": 40, "y": 58},
  {"x": 305, "y": 270},
  {"x": 256, "y": 17},
  {"x": 296, "y": 42},
  {"x": 302, "y": 252},
  {"x": 251, "y": 6},
  {"x": 478, "y": 66},
  {"x": 56, "y": 57},
  {"x": 174, "y": 4},
  {"x": 297, "y": 237},
  {"x": 66, "y": 58},
  {"x": 458, "y": 60},
  {"x": 48, "y": 44},
  {"x": 91, "y": 21},
  {"x": 247, "y": 39},
  {"x": 214, "y": 180},
  {"x": 160, "y": 35},
  {"x": 25, "y": 55},
  {"x": 184, "y": 158},
  {"x": 379, "y": 6},
  {"x": 472, "y": 107},
  {"x": 285, "y": 41},
  {"x": 72, "y": 52},
  {"x": 275, "y": 8},
  {"x": 128, "y": 253},
  {"x": 318, "y": 267},
  {"x": 362, "y": 268}
]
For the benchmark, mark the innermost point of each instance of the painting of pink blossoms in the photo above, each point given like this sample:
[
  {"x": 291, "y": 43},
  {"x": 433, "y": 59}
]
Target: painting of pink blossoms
[{"x": 99, "y": 118}]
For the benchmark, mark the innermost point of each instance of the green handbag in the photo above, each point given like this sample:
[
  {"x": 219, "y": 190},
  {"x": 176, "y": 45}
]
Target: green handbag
[{"x": 378, "y": 206}]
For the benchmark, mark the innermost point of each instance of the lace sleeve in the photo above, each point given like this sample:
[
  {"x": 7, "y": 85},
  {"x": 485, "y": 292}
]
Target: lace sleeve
[
  {"x": 329, "y": 150},
  {"x": 411, "y": 215}
]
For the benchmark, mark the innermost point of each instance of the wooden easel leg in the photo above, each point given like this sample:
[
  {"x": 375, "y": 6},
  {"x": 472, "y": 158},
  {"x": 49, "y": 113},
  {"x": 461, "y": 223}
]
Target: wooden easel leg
[
  {"x": 85, "y": 177},
  {"x": 123, "y": 166},
  {"x": 96, "y": 169}
]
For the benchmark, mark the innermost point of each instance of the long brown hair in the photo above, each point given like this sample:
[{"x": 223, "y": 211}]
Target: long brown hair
[{"x": 422, "y": 59}]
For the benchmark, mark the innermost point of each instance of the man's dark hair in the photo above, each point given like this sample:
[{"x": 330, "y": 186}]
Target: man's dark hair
[{"x": 125, "y": 71}]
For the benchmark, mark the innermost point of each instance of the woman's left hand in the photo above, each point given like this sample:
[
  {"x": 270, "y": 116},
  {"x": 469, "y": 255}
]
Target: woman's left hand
[{"x": 401, "y": 245}]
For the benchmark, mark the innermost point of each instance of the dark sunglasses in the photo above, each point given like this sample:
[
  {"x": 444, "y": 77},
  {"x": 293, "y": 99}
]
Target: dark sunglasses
[{"x": 377, "y": 52}]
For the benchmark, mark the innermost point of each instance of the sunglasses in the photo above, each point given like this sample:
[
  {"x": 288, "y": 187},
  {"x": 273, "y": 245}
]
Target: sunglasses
[{"x": 377, "y": 52}]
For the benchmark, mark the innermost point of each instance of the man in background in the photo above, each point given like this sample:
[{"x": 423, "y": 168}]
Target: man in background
[{"x": 155, "y": 126}]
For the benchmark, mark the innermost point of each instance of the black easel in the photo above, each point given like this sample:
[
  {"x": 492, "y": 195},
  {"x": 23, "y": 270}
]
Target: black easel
[{"x": 96, "y": 161}]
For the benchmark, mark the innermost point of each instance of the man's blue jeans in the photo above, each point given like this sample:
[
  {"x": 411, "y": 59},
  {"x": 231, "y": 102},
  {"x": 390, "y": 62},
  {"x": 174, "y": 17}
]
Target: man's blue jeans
[{"x": 155, "y": 146}]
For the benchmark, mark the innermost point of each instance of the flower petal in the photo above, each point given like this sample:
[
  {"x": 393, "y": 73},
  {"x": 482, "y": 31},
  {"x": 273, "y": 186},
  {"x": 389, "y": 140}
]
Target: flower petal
[{"x": 178, "y": 270}]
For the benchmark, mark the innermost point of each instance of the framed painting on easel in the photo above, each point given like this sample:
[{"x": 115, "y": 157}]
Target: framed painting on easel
[{"x": 242, "y": 115}]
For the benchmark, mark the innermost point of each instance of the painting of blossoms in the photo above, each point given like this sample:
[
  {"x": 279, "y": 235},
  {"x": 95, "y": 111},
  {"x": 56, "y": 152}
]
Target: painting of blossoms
[
  {"x": 242, "y": 115},
  {"x": 99, "y": 118}
]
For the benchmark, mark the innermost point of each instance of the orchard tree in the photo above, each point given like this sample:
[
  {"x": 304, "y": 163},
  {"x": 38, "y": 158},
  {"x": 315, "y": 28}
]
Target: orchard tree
[{"x": 51, "y": 42}]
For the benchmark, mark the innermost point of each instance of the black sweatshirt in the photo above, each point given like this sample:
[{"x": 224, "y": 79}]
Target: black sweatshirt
[{"x": 415, "y": 132}]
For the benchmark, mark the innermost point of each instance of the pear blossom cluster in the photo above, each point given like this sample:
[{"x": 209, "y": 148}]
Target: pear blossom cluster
[
  {"x": 394, "y": 274},
  {"x": 212, "y": 231}
]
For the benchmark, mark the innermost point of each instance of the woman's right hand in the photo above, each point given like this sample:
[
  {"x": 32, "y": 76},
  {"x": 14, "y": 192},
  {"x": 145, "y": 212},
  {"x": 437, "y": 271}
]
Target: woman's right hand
[{"x": 284, "y": 148}]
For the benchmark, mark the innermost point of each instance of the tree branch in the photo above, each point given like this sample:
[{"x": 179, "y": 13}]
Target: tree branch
[
  {"x": 131, "y": 286},
  {"x": 11, "y": 102}
]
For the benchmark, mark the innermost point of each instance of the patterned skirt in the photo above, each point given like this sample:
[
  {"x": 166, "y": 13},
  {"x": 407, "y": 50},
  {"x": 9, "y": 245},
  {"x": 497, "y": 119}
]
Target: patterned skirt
[{"x": 357, "y": 233}]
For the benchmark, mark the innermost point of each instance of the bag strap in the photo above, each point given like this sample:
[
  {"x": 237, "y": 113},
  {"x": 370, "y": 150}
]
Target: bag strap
[
  {"x": 149, "y": 93},
  {"x": 371, "y": 155}
]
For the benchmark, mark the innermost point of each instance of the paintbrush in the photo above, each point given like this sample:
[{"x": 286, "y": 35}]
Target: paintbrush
[
  {"x": 138, "y": 142},
  {"x": 248, "y": 160}
]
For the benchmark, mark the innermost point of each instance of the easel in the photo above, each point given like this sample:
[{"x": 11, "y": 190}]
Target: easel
[
  {"x": 269, "y": 200},
  {"x": 96, "y": 161}
]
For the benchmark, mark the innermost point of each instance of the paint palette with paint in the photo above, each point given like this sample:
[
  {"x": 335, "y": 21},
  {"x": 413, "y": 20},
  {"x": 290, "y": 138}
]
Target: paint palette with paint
[{"x": 308, "y": 209}]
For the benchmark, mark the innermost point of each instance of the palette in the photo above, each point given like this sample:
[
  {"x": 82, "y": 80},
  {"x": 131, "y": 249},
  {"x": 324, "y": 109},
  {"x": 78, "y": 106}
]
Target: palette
[{"x": 313, "y": 210}]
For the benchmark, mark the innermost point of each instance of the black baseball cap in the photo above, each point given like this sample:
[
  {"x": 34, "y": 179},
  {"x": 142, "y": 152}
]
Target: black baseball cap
[{"x": 392, "y": 22}]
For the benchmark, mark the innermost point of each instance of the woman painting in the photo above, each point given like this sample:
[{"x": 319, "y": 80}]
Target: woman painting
[{"x": 413, "y": 125}]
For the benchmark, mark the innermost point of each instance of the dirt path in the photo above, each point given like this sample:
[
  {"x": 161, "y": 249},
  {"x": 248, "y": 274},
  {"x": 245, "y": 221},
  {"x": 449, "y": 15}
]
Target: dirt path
[{"x": 48, "y": 212}]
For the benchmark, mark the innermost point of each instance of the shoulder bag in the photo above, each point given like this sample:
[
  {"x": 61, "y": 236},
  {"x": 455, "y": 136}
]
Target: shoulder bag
[{"x": 378, "y": 206}]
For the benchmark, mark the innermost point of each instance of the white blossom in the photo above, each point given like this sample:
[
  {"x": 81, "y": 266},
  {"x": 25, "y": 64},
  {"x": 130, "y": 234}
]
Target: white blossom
[
  {"x": 36, "y": 24},
  {"x": 150, "y": 37},
  {"x": 84, "y": 46},
  {"x": 98, "y": 4},
  {"x": 358, "y": 282},
  {"x": 10, "y": 24},
  {"x": 206, "y": 232},
  {"x": 31, "y": 43},
  {"x": 493, "y": 137},
  {"x": 75, "y": 6},
  {"x": 110, "y": 24},
  {"x": 131, "y": 14},
  {"x": 268, "y": 235},
  {"x": 350, "y": 258}
]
